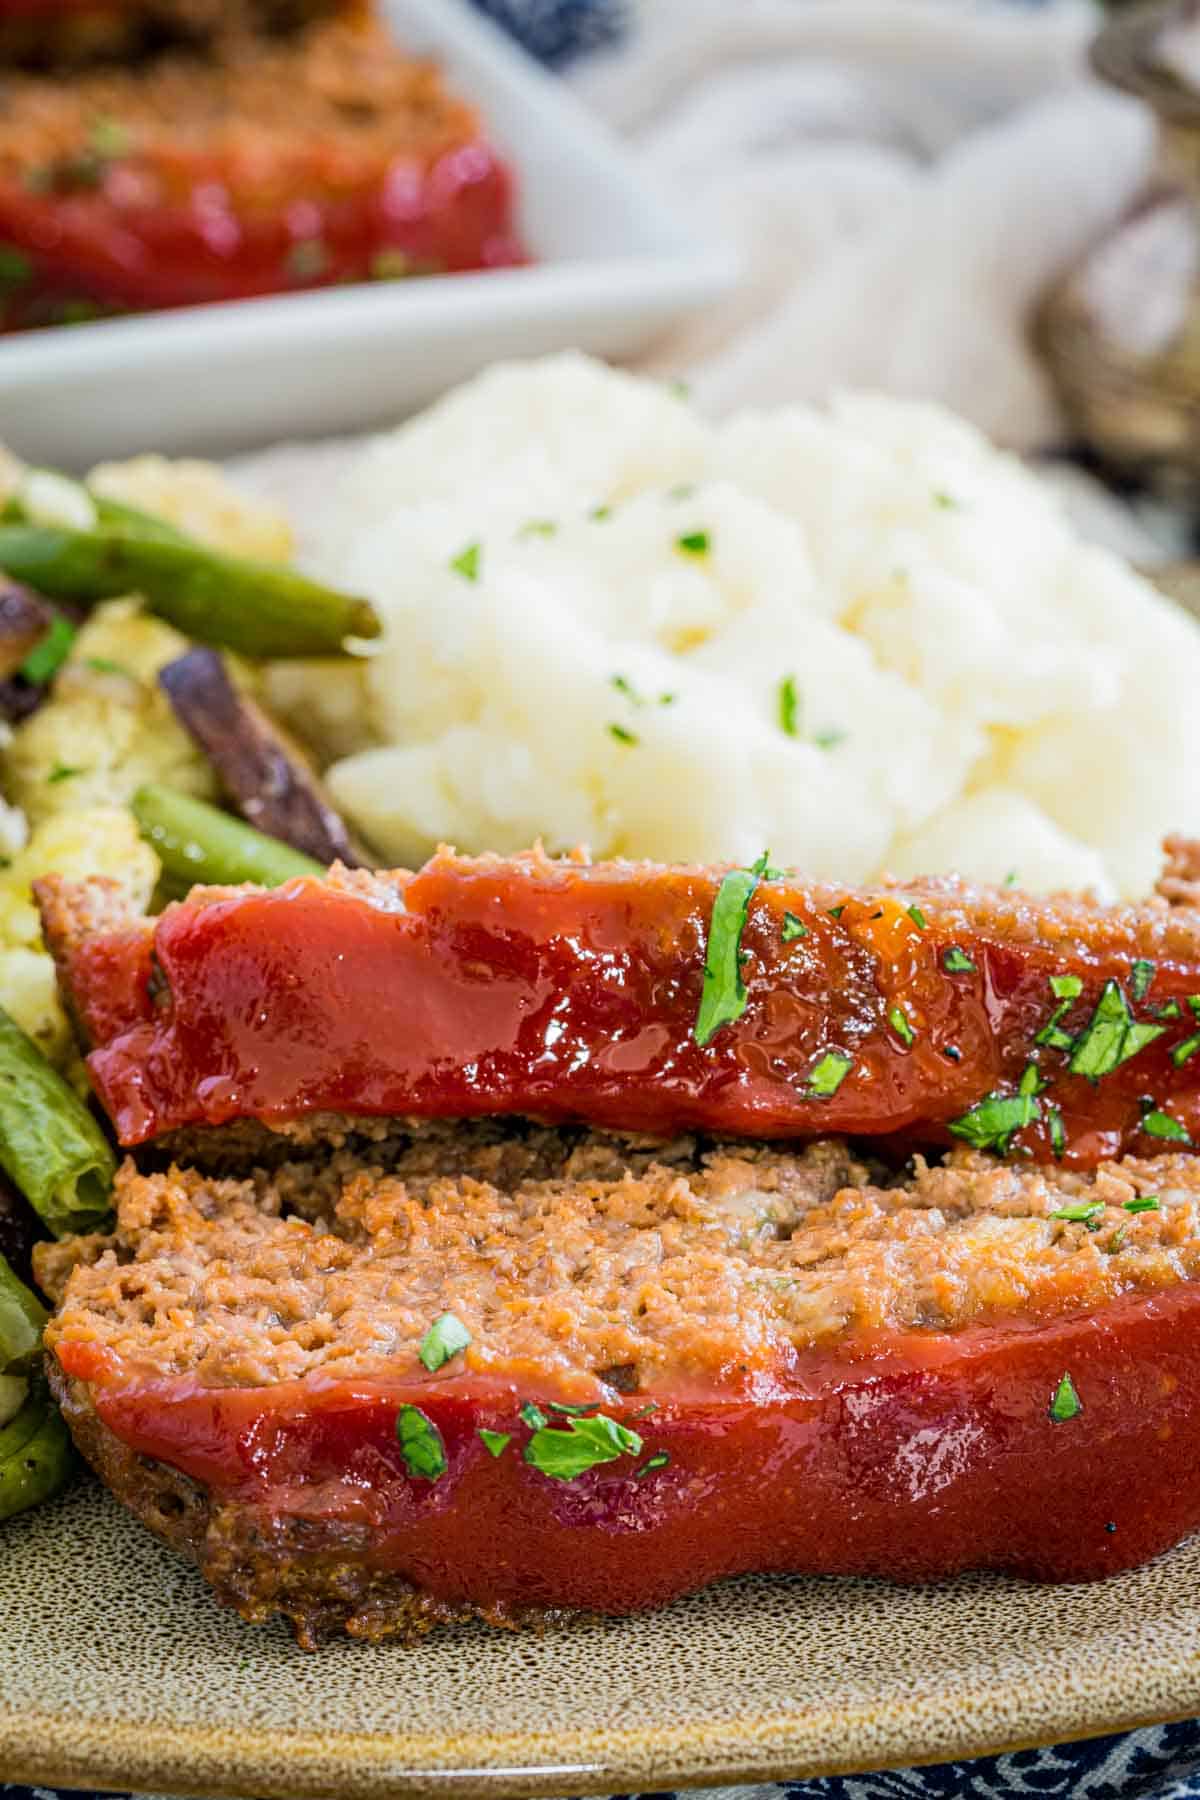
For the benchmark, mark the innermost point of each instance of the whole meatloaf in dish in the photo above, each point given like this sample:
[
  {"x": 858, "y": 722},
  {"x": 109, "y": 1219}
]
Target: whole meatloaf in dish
[{"x": 545, "y": 1237}]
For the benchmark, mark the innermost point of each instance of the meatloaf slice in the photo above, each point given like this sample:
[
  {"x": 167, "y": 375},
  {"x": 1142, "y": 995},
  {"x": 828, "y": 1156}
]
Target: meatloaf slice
[
  {"x": 515, "y": 1373},
  {"x": 635, "y": 997}
]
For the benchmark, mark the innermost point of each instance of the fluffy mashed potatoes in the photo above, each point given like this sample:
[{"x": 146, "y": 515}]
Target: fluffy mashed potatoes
[{"x": 862, "y": 637}]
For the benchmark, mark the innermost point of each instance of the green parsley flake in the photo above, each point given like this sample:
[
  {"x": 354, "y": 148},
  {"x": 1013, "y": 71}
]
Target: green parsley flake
[
  {"x": 918, "y": 917},
  {"x": 789, "y": 707},
  {"x": 46, "y": 658},
  {"x": 1117, "y": 1240},
  {"x": 420, "y": 1443},
  {"x": 723, "y": 998},
  {"x": 792, "y": 928},
  {"x": 447, "y": 1337},
  {"x": 1144, "y": 1203},
  {"x": 835, "y": 912},
  {"x": 1141, "y": 974},
  {"x": 102, "y": 665},
  {"x": 495, "y": 1442},
  {"x": 1066, "y": 987},
  {"x": 1052, "y": 1033},
  {"x": 1084, "y": 1213},
  {"x": 538, "y": 528},
  {"x": 1110, "y": 1037},
  {"x": 533, "y": 1416},
  {"x": 957, "y": 962},
  {"x": 643, "y": 1412},
  {"x": 995, "y": 1120},
  {"x": 1184, "y": 1052},
  {"x": 1169, "y": 1011},
  {"x": 693, "y": 543},
  {"x": 1158, "y": 1124},
  {"x": 683, "y": 490},
  {"x": 660, "y": 1460},
  {"x": 63, "y": 772},
  {"x": 574, "y": 1412},
  {"x": 624, "y": 686},
  {"x": 1058, "y": 1136},
  {"x": 623, "y": 735},
  {"x": 945, "y": 501},
  {"x": 466, "y": 563},
  {"x": 1031, "y": 1080},
  {"x": 829, "y": 740},
  {"x": 898, "y": 1020},
  {"x": 600, "y": 513},
  {"x": 1066, "y": 1403},
  {"x": 566, "y": 1452},
  {"x": 827, "y": 1076},
  {"x": 1194, "y": 1003},
  {"x": 1010, "y": 880}
]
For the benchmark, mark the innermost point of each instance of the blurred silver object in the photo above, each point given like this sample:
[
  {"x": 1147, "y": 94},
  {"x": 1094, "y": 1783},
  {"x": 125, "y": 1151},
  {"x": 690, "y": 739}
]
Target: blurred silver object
[{"x": 1121, "y": 333}]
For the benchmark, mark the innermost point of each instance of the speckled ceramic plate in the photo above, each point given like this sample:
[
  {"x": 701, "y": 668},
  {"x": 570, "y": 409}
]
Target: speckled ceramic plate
[{"x": 116, "y": 1669}]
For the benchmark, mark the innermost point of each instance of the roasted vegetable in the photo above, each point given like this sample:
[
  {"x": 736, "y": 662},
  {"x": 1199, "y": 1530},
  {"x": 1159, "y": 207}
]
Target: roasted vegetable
[
  {"x": 25, "y": 620},
  {"x": 199, "y": 843},
  {"x": 50, "y": 1145},
  {"x": 256, "y": 608},
  {"x": 264, "y": 776},
  {"x": 38, "y": 1456}
]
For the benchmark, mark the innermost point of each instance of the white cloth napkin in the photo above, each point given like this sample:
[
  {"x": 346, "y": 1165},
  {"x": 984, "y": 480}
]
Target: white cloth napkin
[{"x": 903, "y": 179}]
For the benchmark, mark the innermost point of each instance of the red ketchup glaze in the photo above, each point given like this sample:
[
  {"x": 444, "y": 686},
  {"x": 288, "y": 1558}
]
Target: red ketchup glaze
[
  {"x": 176, "y": 227},
  {"x": 571, "y": 994},
  {"x": 915, "y": 1460}
]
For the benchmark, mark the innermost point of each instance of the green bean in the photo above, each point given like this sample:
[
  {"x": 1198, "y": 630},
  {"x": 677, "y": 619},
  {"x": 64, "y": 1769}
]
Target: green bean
[
  {"x": 22, "y": 1317},
  {"x": 197, "y": 842},
  {"x": 26, "y": 1422},
  {"x": 50, "y": 1145},
  {"x": 118, "y": 515},
  {"x": 41, "y": 1466},
  {"x": 256, "y": 608}
]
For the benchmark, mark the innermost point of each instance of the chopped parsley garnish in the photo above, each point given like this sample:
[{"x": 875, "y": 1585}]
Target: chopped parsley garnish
[
  {"x": 835, "y": 912},
  {"x": 918, "y": 917},
  {"x": 1052, "y": 1033},
  {"x": 945, "y": 501},
  {"x": 566, "y": 1452},
  {"x": 1066, "y": 987},
  {"x": 574, "y": 1412},
  {"x": 1031, "y": 1080},
  {"x": 830, "y": 739},
  {"x": 683, "y": 490},
  {"x": 420, "y": 1443},
  {"x": 624, "y": 686},
  {"x": 1058, "y": 1136},
  {"x": 307, "y": 259},
  {"x": 792, "y": 928},
  {"x": 538, "y": 528},
  {"x": 679, "y": 390},
  {"x": 667, "y": 699},
  {"x": 957, "y": 962},
  {"x": 1184, "y": 1052},
  {"x": 1141, "y": 974},
  {"x": 693, "y": 543},
  {"x": 898, "y": 1020},
  {"x": 995, "y": 1120},
  {"x": 827, "y": 1075},
  {"x": 764, "y": 870},
  {"x": 102, "y": 665},
  {"x": 1066, "y": 1403},
  {"x": 1085, "y": 1213},
  {"x": 466, "y": 563},
  {"x": 1110, "y": 1036},
  {"x": 495, "y": 1442},
  {"x": 723, "y": 998},
  {"x": 46, "y": 658},
  {"x": 623, "y": 735},
  {"x": 446, "y": 1337},
  {"x": 789, "y": 707},
  {"x": 1010, "y": 880},
  {"x": 1159, "y": 1124},
  {"x": 600, "y": 513},
  {"x": 63, "y": 772},
  {"x": 659, "y": 1460},
  {"x": 1144, "y": 1203},
  {"x": 533, "y": 1416},
  {"x": 1194, "y": 1003},
  {"x": 1115, "y": 1243},
  {"x": 643, "y": 1412},
  {"x": 1169, "y": 1011}
]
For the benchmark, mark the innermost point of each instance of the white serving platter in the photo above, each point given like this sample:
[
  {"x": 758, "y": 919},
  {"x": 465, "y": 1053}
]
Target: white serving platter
[{"x": 614, "y": 266}]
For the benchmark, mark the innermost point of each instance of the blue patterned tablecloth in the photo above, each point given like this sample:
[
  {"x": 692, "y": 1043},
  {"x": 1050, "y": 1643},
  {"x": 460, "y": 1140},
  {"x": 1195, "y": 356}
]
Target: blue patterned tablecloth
[{"x": 1159, "y": 1763}]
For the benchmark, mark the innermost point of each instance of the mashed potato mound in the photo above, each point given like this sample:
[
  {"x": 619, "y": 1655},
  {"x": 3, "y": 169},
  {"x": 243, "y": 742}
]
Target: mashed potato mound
[{"x": 861, "y": 636}]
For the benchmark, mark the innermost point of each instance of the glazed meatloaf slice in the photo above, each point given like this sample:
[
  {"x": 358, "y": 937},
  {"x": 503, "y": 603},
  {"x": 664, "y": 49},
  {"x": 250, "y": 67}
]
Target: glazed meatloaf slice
[
  {"x": 512, "y": 1373},
  {"x": 635, "y": 997},
  {"x": 259, "y": 166}
]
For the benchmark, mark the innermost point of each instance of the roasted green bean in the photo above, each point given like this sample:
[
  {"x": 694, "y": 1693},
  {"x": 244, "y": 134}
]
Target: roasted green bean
[
  {"x": 198, "y": 843},
  {"x": 255, "y": 608},
  {"x": 35, "y": 1468},
  {"x": 50, "y": 1145},
  {"x": 22, "y": 1317}
]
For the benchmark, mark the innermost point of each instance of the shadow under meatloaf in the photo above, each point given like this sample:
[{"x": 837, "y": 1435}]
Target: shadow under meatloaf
[{"x": 786, "y": 1365}]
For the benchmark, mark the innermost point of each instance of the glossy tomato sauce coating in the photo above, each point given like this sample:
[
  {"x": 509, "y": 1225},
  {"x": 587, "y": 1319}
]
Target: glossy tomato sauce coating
[{"x": 572, "y": 993}]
